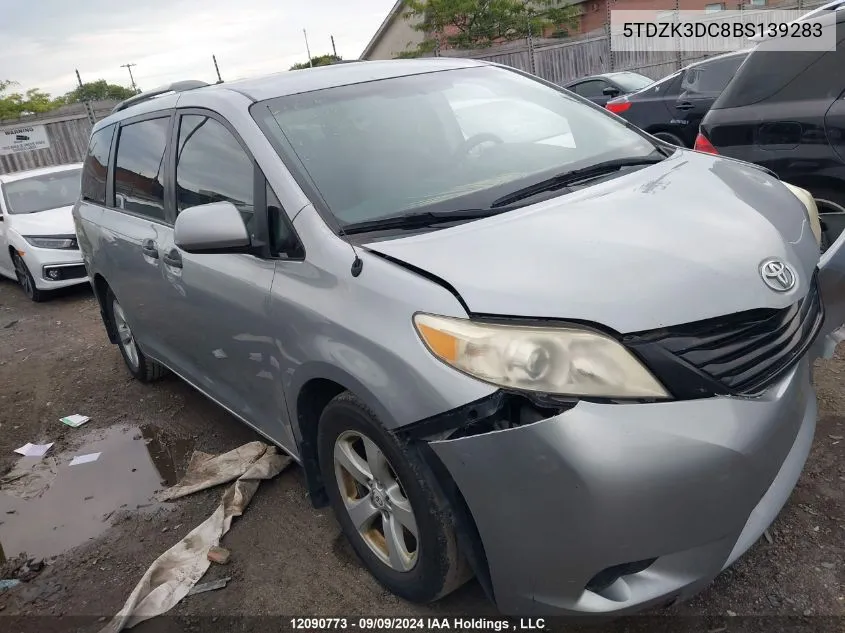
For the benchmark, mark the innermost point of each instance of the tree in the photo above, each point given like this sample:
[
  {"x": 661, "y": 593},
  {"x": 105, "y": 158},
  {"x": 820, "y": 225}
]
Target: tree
[
  {"x": 14, "y": 104},
  {"x": 99, "y": 90},
  {"x": 319, "y": 60},
  {"x": 467, "y": 24}
]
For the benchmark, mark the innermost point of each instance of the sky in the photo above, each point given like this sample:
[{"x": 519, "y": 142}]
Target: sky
[{"x": 171, "y": 40}]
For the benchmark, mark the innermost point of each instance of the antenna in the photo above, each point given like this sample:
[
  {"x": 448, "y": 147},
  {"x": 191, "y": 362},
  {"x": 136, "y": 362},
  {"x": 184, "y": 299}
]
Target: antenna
[
  {"x": 334, "y": 50},
  {"x": 217, "y": 69}
]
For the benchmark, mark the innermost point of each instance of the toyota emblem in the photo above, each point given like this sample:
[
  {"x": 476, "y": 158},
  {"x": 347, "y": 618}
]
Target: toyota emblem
[{"x": 777, "y": 275}]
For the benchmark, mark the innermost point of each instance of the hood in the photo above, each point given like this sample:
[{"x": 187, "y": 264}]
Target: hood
[
  {"x": 675, "y": 242},
  {"x": 50, "y": 222}
]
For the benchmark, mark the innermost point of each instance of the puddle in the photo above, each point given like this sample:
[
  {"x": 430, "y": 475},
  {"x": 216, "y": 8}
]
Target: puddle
[{"x": 134, "y": 463}]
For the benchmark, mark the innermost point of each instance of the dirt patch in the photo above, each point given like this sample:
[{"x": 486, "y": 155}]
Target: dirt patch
[{"x": 287, "y": 558}]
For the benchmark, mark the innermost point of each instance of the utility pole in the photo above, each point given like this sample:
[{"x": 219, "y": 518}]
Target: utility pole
[
  {"x": 88, "y": 108},
  {"x": 307, "y": 50},
  {"x": 217, "y": 69},
  {"x": 334, "y": 50},
  {"x": 131, "y": 78}
]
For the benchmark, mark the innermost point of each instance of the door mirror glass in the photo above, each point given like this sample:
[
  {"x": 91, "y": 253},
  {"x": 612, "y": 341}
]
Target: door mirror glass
[
  {"x": 610, "y": 91},
  {"x": 215, "y": 227}
]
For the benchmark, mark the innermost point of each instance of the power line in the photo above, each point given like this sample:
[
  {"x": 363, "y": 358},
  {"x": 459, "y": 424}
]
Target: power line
[{"x": 131, "y": 78}]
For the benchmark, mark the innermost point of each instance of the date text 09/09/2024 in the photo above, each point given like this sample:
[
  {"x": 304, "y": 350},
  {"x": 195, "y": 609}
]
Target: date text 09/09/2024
[{"x": 422, "y": 624}]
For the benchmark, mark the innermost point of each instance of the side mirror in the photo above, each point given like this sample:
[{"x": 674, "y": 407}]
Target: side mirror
[
  {"x": 211, "y": 228},
  {"x": 610, "y": 91}
]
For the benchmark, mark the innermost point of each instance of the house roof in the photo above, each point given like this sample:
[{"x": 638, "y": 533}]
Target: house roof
[{"x": 396, "y": 10}]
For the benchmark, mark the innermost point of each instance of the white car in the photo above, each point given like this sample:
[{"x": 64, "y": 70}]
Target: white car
[{"x": 38, "y": 245}]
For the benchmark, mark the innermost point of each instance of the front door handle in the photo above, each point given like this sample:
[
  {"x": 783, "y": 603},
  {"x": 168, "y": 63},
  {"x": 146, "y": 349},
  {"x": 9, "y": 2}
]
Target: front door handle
[
  {"x": 173, "y": 258},
  {"x": 149, "y": 248},
  {"x": 685, "y": 105}
]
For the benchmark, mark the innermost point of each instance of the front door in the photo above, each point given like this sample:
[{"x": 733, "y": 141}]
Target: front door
[{"x": 218, "y": 304}]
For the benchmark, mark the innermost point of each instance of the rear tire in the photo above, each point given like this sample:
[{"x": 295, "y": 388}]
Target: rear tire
[
  {"x": 385, "y": 495},
  {"x": 26, "y": 281},
  {"x": 142, "y": 368},
  {"x": 669, "y": 138}
]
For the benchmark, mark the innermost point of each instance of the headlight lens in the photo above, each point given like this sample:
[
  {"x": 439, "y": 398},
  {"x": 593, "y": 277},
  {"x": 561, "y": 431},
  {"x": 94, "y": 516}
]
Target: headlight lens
[
  {"x": 64, "y": 242},
  {"x": 554, "y": 360}
]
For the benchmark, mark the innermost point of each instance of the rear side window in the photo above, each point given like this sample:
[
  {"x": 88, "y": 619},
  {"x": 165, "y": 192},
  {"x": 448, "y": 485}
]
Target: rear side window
[
  {"x": 139, "y": 167},
  {"x": 780, "y": 76},
  {"x": 96, "y": 167},
  {"x": 211, "y": 166},
  {"x": 709, "y": 79}
]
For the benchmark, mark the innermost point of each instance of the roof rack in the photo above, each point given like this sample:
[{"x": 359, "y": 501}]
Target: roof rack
[{"x": 179, "y": 86}]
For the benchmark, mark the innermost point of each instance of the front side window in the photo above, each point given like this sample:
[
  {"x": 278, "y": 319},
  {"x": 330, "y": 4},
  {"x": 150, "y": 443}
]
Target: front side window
[
  {"x": 211, "y": 166},
  {"x": 96, "y": 166},
  {"x": 442, "y": 141},
  {"x": 139, "y": 167},
  {"x": 41, "y": 193}
]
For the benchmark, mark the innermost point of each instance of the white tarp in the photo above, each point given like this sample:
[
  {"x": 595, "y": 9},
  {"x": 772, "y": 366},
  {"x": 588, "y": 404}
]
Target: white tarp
[
  {"x": 23, "y": 138},
  {"x": 174, "y": 573}
]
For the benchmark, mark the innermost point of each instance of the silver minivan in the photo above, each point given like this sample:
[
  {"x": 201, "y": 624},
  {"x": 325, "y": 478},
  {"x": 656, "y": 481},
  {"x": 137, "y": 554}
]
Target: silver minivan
[{"x": 549, "y": 351}]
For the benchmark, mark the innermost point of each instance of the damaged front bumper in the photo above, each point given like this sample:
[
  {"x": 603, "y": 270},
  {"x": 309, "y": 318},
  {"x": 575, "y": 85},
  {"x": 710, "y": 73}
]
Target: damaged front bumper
[{"x": 610, "y": 508}]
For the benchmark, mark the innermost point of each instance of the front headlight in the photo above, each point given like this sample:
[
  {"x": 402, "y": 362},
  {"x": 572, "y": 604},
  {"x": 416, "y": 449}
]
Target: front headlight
[
  {"x": 553, "y": 360},
  {"x": 63, "y": 242}
]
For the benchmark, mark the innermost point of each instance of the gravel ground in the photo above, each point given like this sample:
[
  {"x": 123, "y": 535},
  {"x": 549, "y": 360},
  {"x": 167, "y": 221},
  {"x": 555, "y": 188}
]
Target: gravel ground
[{"x": 99, "y": 531}]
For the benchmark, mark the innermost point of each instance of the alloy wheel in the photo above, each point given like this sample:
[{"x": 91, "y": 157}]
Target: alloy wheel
[
  {"x": 375, "y": 500},
  {"x": 124, "y": 333},
  {"x": 24, "y": 278}
]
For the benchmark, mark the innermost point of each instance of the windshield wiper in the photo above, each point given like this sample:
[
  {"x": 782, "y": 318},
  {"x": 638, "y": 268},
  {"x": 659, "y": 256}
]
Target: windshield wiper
[
  {"x": 420, "y": 220},
  {"x": 576, "y": 175}
]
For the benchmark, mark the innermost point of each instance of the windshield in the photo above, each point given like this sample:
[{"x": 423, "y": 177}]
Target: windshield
[
  {"x": 631, "y": 82},
  {"x": 441, "y": 141},
  {"x": 39, "y": 193}
]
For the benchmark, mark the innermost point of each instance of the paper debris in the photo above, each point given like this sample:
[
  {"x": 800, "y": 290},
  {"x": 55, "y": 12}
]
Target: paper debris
[
  {"x": 209, "y": 586},
  {"x": 75, "y": 420},
  {"x": 84, "y": 459},
  {"x": 33, "y": 450}
]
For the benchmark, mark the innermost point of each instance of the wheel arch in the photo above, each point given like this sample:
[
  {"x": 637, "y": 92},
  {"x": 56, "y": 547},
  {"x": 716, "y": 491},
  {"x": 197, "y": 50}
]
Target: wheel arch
[
  {"x": 101, "y": 290},
  {"x": 314, "y": 387}
]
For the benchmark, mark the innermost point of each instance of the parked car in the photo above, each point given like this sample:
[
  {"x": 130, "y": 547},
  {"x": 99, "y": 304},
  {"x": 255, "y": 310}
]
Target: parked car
[
  {"x": 602, "y": 88},
  {"x": 793, "y": 123},
  {"x": 38, "y": 247},
  {"x": 672, "y": 109},
  {"x": 563, "y": 367}
]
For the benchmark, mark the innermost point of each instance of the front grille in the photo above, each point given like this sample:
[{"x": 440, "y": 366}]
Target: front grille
[{"x": 743, "y": 353}]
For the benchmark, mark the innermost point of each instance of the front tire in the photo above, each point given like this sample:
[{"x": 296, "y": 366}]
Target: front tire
[
  {"x": 26, "y": 281},
  {"x": 398, "y": 526},
  {"x": 142, "y": 368}
]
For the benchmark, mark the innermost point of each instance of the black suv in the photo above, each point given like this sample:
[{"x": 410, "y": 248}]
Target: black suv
[
  {"x": 785, "y": 110},
  {"x": 672, "y": 109}
]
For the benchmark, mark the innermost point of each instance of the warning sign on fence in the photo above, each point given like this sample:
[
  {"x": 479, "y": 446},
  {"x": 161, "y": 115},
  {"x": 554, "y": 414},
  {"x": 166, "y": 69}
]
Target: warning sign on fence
[{"x": 23, "y": 139}]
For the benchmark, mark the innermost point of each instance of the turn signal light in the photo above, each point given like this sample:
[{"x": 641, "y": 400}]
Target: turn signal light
[
  {"x": 703, "y": 145},
  {"x": 618, "y": 106}
]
